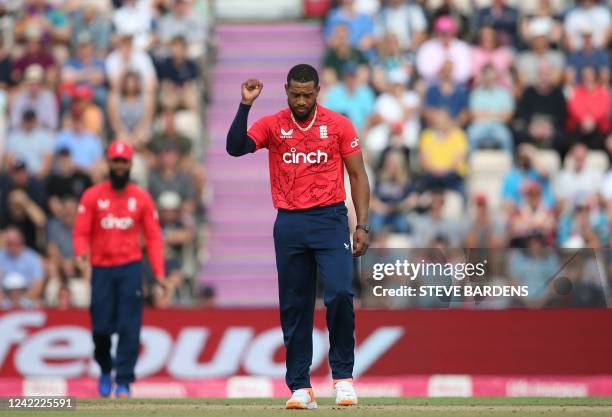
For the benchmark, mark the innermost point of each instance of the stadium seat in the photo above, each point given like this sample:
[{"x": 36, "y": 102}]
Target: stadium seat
[
  {"x": 490, "y": 161},
  {"x": 489, "y": 186},
  {"x": 549, "y": 160},
  {"x": 597, "y": 160},
  {"x": 453, "y": 205}
]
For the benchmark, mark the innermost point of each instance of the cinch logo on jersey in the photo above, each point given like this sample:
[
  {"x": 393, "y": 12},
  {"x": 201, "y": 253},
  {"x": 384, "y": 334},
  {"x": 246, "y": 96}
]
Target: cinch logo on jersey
[
  {"x": 295, "y": 157},
  {"x": 121, "y": 223}
]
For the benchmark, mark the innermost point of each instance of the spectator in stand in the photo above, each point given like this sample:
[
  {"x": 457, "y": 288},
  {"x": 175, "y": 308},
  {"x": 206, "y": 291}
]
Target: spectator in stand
[
  {"x": 60, "y": 252},
  {"x": 406, "y": 20},
  {"x": 178, "y": 75},
  {"x": 540, "y": 53},
  {"x": 136, "y": 21},
  {"x": 546, "y": 14},
  {"x": 588, "y": 56},
  {"x": 433, "y": 54},
  {"x": 27, "y": 216},
  {"x": 86, "y": 70},
  {"x": 130, "y": 110},
  {"x": 178, "y": 234},
  {"x": 89, "y": 18},
  {"x": 390, "y": 59},
  {"x": 589, "y": 13},
  {"x": 361, "y": 26},
  {"x": 351, "y": 98},
  {"x": 393, "y": 196},
  {"x": 449, "y": 8},
  {"x": 398, "y": 108},
  {"x": 491, "y": 108},
  {"x": 485, "y": 230},
  {"x": 65, "y": 182},
  {"x": 525, "y": 169},
  {"x": 581, "y": 181},
  {"x": 339, "y": 53},
  {"x": 85, "y": 147},
  {"x": 443, "y": 151},
  {"x": 35, "y": 53},
  {"x": 448, "y": 95},
  {"x": 582, "y": 226},
  {"x": 91, "y": 114},
  {"x": 533, "y": 268},
  {"x": 16, "y": 258},
  {"x": 542, "y": 113},
  {"x": 183, "y": 21},
  {"x": 532, "y": 216},
  {"x": 588, "y": 109},
  {"x": 126, "y": 58},
  {"x": 45, "y": 15},
  {"x": 504, "y": 20},
  {"x": 434, "y": 225},
  {"x": 489, "y": 52},
  {"x": 16, "y": 287},
  {"x": 31, "y": 144},
  {"x": 170, "y": 176},
  {"x": 18, "y": 178},
  {"x": 34, "y": 96},
  {"x": 6, "y": 65}
]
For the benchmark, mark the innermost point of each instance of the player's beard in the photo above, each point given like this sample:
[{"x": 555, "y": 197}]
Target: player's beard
[
  {"x": 305, "y": 116},
  {"x": 118, "y": 181}
]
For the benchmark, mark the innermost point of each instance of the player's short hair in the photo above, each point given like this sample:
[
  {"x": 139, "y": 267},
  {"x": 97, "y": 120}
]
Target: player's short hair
[{"x": 303, "y": 73}]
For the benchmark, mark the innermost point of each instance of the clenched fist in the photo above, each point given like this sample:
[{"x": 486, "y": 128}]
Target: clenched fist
[{"x": 251, "y": 89}]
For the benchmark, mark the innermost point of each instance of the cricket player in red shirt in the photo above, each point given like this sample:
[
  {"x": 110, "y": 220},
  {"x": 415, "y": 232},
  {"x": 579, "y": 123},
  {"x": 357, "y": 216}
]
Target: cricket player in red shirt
[
  {"x": 309, "y": 146},
  {"x": 110, "y": 219}
]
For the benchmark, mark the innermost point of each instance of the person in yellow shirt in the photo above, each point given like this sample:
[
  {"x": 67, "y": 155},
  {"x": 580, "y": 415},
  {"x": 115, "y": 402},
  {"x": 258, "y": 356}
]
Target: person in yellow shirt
[{"x": 443, "y": 150}]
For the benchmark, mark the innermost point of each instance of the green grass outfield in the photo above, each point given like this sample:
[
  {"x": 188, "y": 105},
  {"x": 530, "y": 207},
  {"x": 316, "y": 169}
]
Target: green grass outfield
[{"x": 405, "y": 407}]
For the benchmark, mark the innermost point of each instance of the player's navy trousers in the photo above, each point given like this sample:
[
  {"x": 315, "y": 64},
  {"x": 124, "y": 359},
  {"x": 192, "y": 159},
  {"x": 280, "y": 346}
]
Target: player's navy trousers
[
  {"x": 305, "y": 240},
  {"x": 116, "y": 307}
]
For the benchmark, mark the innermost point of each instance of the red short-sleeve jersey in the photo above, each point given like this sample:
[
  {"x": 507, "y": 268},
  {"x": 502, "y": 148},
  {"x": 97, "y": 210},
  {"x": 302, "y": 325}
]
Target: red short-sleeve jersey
[{"x": 306, "y": 167}]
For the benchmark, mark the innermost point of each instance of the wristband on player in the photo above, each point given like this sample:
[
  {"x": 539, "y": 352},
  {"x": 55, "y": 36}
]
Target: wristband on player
[{"x": 364, "y": 227}]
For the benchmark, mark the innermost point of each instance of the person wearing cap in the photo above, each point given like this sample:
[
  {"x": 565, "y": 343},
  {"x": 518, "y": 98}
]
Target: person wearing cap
[
  {"x": 540, "y": 51},
  {"x": 33, "y": 95},
  {"x": 111, "y": 216},
  {"x": 444, "y": 46},
  {"x": 32, "y": 144},
  {"x": 85, "y": 69},
  {"x": 21, "y": 270}
]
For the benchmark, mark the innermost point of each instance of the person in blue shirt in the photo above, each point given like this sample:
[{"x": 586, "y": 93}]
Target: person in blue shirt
[
  {"x": 85, "y": 147},
  {"x": 361, "y": 26},
  {"x": 351, "y": 98}
]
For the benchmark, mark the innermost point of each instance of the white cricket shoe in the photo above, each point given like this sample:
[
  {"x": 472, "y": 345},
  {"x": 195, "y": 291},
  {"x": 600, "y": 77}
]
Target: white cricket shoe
[
  {"x": 345, "y": 392},
  {"x": 302, "y": 399}
]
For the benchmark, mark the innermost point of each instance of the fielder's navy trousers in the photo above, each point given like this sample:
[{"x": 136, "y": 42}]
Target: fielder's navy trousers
[
  {"x": 116, "y": 307},
  {"x": 307, "y": 240}
]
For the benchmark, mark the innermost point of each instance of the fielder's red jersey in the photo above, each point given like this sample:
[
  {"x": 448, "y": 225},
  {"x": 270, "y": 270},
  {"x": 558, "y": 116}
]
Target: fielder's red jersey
[
  {"x": 109, "y": 223},
  {"x": 306, "y": 167}
]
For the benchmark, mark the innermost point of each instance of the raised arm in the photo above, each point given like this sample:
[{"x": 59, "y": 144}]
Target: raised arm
[{"x": 238, "y": 142}]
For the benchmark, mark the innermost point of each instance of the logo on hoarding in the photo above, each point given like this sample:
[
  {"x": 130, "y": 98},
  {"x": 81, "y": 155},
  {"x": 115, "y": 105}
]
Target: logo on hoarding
[{"x": 47, "y": 350}]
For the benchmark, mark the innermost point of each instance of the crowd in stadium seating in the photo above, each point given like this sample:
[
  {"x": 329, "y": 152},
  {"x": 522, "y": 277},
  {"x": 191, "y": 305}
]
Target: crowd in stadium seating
[
  {"x": 486, "y": 124},
  {"x": 75, "y": 75}
]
